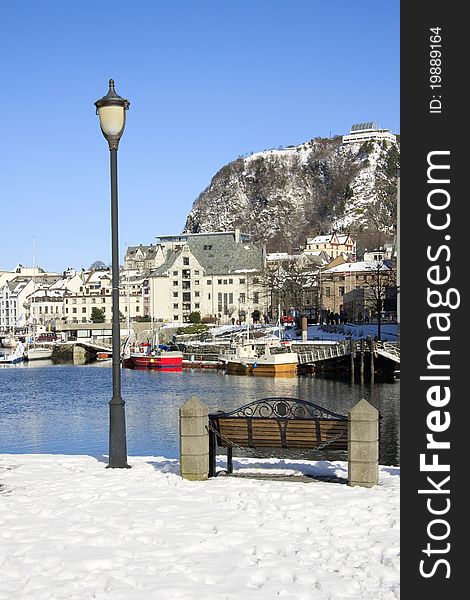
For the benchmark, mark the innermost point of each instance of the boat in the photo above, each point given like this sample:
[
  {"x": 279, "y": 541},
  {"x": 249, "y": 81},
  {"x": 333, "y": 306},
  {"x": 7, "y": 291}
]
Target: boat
[
  {"x": 38, "y": 353},
  {"x": 12, "y": 358},
  {"x": 8, "y": 341},
  {"x": 146, "y": 355},
  {"x": 278, "y": 358}
]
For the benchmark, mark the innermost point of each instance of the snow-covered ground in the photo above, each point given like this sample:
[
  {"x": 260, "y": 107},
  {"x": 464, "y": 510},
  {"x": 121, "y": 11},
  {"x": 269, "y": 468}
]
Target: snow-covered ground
[
  {"x": 72, "y": 529},
  {"x": 389, "y": 332}
]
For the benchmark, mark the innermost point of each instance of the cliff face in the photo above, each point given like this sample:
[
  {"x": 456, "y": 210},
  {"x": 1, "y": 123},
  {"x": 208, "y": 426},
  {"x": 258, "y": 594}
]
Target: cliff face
[{"x": 283, "y": 196}]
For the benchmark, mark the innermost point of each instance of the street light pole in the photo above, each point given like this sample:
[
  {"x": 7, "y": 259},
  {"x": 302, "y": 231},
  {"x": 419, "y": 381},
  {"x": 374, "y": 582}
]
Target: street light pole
[{"x": 111, "y": 109}]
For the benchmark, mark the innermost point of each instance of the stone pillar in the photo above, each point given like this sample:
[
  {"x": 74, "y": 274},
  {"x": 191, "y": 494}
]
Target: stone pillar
[
  {"x": 79, "y": 355},
  {"x": 194, "y": 440},
  {"x": 363, "y": 445},
  {"x": 304, "y": 328}
]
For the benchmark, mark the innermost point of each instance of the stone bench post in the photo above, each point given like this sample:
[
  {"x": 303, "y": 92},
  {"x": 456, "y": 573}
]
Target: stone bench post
[
  {"x": 194, "y": 440},
  {"x": 363, "y": 445}
]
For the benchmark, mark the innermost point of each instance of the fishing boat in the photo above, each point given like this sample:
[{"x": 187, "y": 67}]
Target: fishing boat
[
  {"x": 147, "y": 355},
  {"x": 277, "y": 358},
  {"x": 12, "y": 358}
]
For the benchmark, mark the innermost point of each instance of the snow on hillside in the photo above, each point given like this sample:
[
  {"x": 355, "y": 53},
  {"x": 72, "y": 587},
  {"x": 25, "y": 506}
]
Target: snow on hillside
[{"x": 283, "y": 196}]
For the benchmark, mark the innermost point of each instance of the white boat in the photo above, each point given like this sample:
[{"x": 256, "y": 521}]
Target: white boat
[
  {"x": 38, "y": 353},
  {"x": 8, "y": 342},
  {"x": 278, "y": 358},
  {"x": 12, "y": 358}
]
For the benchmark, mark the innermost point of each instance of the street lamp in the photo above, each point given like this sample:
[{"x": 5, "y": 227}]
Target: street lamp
[{"x": 112, "y": 113}]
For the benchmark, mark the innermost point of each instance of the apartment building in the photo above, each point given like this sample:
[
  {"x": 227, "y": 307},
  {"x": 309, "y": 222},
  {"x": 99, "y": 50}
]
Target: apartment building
[{"x": 218, "y": 275}]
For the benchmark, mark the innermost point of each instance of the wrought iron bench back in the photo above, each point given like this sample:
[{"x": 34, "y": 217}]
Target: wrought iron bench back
[{"x": 287, "y": 423}]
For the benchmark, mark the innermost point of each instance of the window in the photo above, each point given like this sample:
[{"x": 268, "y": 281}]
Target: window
[
  {"x": 175, "y": 273},
  {"x": 66, "y": 311},
  {"x": 186, "y": 296},
  {"x": 175, "y": 283},
  {"x": 137, "y": 309},
  {"x": 175, "y": 306},
  {"x": 175, "y": 317},
  {"x": 196, "y": 306},
  {"x": 66, "y": 301},
  {"x": 83, "y": 300},
  {"x": 242, "y": 280},
  {"x": 327, "y": 292},
  {"x": 186, "y": 285},
  {"x": 341, "y": 290},
  {"x": 230, "y": 280},
  {"x": 230, "y": 298},
  {"x": 196, "y": 272},
  {"x": 242, "y": 298},
  {"x": 256, "y": 297},
  {"x": 207, "y": 247},
  {"x": 196, "y": 294},
  {"x": 196, "y": 282},
  {"x": 209, "y": 282},
  {"x": 255, "y": 280},
  {"x": 219, "y": 281},
  {"x": 103, "y": 300},
  {"x": 208, "y": 296},
  {"x": 74, "y": 310},
  {"x": 74, "y": 301},
  {"x": 225, "y": 282},
  {"x": 175, "y": 294},
  {"x": 84, "y": 309},
  {"x": 185, "y": 260}
]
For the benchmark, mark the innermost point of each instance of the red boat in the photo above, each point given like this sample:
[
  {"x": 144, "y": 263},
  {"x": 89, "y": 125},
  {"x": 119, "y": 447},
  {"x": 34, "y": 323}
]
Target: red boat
[{"x": 144, "y": 356}]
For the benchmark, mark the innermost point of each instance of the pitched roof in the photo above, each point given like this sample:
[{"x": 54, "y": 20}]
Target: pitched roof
[{"x": 218, "y": 254}]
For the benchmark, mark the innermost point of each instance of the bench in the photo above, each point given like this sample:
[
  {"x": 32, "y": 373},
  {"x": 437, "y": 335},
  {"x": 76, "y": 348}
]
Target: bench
[{"x": 283, "y": 423}]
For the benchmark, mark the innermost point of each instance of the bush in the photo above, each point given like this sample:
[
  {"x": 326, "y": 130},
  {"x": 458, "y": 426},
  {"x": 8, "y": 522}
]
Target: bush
[{"x": 195, "y": 317}]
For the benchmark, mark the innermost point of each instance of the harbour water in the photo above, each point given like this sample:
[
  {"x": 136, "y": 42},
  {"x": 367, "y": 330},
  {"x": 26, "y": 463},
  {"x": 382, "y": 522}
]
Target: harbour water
[{"x": 46, "y": 408}]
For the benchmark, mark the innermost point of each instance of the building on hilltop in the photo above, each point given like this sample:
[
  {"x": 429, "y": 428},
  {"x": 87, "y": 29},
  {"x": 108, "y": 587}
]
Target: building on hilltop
[{"x": 368, "y": 132}]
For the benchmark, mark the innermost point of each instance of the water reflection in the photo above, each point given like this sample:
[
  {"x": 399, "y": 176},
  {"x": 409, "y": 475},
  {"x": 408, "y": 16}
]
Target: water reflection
[{"x": 64, "y": 408}]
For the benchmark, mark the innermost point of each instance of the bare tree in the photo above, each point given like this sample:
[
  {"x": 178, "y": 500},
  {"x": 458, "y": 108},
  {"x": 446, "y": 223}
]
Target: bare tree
[{"x": 382, "y": 278}]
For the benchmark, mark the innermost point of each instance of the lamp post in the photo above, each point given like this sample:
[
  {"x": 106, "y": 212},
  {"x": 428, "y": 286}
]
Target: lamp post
[{"x": 112, "y": 113}]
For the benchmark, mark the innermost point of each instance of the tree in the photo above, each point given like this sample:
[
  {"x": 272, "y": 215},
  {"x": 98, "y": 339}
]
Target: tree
[
  {"x": 382, "y": 279},
  {"x": 98, "y": 265},
  {"x": 97, "y": 315},
  {"x": 195, "y": 317}
]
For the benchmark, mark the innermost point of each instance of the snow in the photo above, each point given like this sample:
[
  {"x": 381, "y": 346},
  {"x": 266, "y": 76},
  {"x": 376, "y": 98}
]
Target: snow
[
  {"x": 389, "y": 332},
  {"x": 359, "y": 266},
  {"x": 72, "y": 529}
]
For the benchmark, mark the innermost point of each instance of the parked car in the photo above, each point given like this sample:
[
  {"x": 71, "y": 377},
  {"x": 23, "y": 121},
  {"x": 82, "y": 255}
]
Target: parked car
[{"x": 47, "y": 337}]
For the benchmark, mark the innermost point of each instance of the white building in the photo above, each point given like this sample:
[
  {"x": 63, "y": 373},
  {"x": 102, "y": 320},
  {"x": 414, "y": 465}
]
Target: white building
[
  {"x": 95, "y": 292},
  {"x": 368, "y": 132},
  {"x": 13, "y": 296},
  {"x": 215, "y": 274},
  {"x": 334, "y": 245}
]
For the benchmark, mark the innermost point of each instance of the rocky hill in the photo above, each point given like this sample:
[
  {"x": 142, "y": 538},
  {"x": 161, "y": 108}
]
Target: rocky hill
[{"x": 283, "y": 196}]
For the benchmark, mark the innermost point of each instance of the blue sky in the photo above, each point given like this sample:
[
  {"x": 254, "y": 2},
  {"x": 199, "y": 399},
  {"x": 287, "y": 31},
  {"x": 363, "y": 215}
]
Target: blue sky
[{"x": 208, "y": 80}]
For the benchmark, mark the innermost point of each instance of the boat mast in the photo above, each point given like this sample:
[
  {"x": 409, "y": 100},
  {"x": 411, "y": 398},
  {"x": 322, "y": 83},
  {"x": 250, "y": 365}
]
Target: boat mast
[{"x": 33, "y": 333}]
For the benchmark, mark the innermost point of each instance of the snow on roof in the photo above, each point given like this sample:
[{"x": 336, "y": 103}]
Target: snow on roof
[
  {"x": 319, "y": 239},
  {"x": 363, "y": 265}
]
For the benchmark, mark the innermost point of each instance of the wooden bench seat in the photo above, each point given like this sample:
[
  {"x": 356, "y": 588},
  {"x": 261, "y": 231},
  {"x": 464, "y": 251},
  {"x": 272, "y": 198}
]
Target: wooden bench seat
[{"x": 283, "y": 423}]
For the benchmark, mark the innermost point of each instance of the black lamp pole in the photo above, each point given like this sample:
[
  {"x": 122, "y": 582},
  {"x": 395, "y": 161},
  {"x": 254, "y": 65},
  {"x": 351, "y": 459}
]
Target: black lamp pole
[{"x": 111, "y": 109}]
